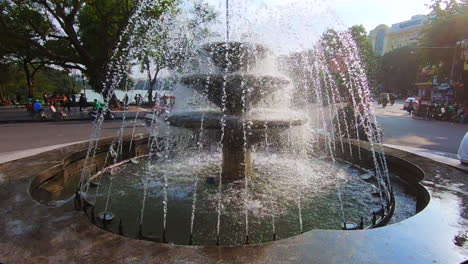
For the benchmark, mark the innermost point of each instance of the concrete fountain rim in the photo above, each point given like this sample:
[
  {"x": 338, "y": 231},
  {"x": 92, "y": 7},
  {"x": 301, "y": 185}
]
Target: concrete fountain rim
[
  {"x": 381, "y": 223},
  {"x": 390, "y": 244}
]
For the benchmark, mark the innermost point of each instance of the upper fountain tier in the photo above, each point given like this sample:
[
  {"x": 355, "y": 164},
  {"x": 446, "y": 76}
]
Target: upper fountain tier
[
  {"x": 235, "y": 56},
  {"x": 236, "y": 92}
]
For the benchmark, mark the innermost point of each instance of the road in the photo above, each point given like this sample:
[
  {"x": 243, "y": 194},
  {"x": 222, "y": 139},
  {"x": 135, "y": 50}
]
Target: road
[
  {"x": 399, "y": 129},
  {"x": 23, "y": 136}
]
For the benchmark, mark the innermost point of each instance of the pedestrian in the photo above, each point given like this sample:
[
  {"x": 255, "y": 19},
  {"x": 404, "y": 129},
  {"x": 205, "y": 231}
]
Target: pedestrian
[
  {"x": 82, "y": 102},
  {"x": 137, "y": 98},
  {"x": 46, "y": 98},
  {"x": 73, "y": 100},
  {"x": 125, "y": 101},
  {"x": 140, "y": 99},
  {"x": 68, "y": 103},
  {"x": 410, "y": 107}
]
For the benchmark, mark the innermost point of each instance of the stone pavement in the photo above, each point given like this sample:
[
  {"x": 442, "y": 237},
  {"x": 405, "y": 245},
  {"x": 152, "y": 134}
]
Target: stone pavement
[{"x": 450, "y": 159}]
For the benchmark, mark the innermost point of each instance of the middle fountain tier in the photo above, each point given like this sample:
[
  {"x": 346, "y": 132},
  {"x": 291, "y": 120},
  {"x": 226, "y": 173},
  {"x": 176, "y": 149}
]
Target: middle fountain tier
[{"x": 237, "y": 92}]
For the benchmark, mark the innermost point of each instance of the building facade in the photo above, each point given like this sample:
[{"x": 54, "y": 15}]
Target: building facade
[{"x": 384, "y": 39}]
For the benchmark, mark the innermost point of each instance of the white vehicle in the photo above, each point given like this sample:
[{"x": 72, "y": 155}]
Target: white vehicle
[
  {"x": 408, "y": 100},
  {"x": 463, "y": 150}
]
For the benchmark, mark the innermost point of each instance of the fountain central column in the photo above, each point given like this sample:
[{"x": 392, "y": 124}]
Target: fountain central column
[{"x": 237, "y": 155}]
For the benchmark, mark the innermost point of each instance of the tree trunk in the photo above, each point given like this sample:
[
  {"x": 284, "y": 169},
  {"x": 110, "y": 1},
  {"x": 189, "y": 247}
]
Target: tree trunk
[
  {"x": 96, "y": 80},
  {"x": 152, "y": 81},
  {"x": 29, "y": 82}
]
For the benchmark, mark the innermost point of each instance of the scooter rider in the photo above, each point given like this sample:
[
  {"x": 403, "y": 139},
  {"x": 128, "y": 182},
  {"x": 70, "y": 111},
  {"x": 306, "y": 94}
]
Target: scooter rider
[{"x": 38, "y": 110}]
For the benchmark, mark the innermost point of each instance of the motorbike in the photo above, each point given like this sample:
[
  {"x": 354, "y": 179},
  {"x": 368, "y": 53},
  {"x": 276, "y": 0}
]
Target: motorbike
[
  {"x": 58, "y": 115},
  {"x": 41, "y": 115},
  {"x": 108, "y": 115}
]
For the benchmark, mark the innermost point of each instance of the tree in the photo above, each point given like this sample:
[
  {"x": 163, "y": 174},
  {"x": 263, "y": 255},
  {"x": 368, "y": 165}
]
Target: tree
[
  {"x": 335, "y": 53},
  {"x": 172, "y": 42},
  {"x": 449, "y": 25},
  {"x": 47, "y": 79},
  {"x": 398, "y": 71},
  {"x": 369, "y": 60},
  {"x": 76, "y": 34}
]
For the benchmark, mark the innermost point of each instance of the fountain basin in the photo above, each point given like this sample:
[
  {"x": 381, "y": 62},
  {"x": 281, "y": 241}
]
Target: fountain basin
[{"x": 37, "y": 233}]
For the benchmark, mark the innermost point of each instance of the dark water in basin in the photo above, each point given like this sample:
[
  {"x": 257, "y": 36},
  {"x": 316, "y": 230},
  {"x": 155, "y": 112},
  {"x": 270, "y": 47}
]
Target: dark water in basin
[{"x": 285, "y": 192}]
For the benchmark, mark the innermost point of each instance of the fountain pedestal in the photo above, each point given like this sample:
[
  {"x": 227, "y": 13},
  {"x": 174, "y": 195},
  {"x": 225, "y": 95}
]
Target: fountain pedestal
[
  {"x": 237, "y": 163},
  {"x": 237, "y": 155},
  {"x": 237, "y": 92}
]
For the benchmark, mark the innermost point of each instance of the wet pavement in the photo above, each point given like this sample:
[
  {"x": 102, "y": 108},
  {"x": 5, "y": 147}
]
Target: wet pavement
[{"x": 34, "y": 233}]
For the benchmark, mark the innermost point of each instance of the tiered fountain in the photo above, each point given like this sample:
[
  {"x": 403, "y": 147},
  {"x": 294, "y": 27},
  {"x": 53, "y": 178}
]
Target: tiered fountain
[
  {"x": 236, "y": 92},
  {"x": 291, "y": 188}
]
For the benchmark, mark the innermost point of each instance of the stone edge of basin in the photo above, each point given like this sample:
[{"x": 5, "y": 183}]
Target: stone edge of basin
[{"x": 291, "y": 249}]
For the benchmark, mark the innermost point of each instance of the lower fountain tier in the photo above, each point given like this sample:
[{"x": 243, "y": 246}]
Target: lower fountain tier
[
  {"x": 237, "y": 91},
  {"x": 255, "y": 120},
  {"x": 240, "y": 133}
]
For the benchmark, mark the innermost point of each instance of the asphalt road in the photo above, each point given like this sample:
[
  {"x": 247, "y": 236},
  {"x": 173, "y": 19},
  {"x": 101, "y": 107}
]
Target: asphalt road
[
  {"x": 22, "y": 136},
  {"x": 399, "y": 129}
]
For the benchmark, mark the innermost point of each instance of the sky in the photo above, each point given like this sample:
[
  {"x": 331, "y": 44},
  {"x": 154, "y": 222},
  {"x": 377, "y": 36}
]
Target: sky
[
  {"x": 292, "y": 25},
  {"x": 286, "y": 26},
  {"x": 370, "y": 13}
]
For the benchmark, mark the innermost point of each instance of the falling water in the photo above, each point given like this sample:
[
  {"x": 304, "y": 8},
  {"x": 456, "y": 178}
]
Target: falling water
[
  {"x": 321, "y": 91},
  {"x": 220, "y": 184},
  {"x": 135, "y": 122}
]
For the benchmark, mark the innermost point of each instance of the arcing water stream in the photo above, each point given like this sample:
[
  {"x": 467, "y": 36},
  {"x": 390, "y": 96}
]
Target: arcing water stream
[{"x": 245, "y": 159}]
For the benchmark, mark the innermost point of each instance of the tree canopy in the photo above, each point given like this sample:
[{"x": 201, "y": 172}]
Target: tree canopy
[
  {"x": 172, "y": 41},
  {"x": 75, "y": 34},
  {"x": 448, "y": 25},
  {"x": 398, "y": 71}
]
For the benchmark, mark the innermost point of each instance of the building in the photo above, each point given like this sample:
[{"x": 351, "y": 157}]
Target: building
[{"x": 385, "y": 39}]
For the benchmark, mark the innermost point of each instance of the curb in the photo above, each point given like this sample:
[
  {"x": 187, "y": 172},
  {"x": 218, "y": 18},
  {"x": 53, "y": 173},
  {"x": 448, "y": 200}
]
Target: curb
[
  {"x": 22, "y": 121},
  {"x": 433, "y": 155}
]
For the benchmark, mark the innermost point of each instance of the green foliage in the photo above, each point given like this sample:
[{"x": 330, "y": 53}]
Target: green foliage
[
  {"x": 172, "y": 41},
  {"x": 398, "y": 71},
  {"x": 76, "y": 34},
  {"x": 449, "y": 25},
  {"x": 337, "y": 50},
  {"x": 50, "y": 80},
  {"x": 369, "y": 60},
  {"x": 335, "y": 54}
]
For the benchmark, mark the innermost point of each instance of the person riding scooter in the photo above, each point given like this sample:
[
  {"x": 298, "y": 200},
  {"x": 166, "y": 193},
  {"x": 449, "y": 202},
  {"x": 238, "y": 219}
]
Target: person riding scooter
[
  {"x": 98, "y": 109},
  {"x": 57, "y": 115},
  {"x": 39, "y": 111}
]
